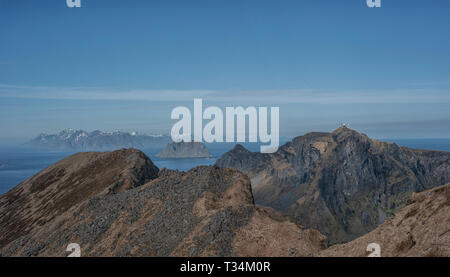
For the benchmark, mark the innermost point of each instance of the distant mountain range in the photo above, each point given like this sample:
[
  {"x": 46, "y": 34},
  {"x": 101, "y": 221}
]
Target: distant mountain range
[{"x": 79, "y": 140}]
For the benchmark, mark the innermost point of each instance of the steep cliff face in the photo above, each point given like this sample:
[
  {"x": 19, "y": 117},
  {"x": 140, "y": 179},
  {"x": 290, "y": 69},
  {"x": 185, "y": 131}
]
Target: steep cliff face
[
  {"x": 185, "y": 150},
  {"x": 69, "y": 182},
  {"x": 207, "y": 211},
  {"x": 421, "y": 229},
  {"x": 342, "y": 183}
]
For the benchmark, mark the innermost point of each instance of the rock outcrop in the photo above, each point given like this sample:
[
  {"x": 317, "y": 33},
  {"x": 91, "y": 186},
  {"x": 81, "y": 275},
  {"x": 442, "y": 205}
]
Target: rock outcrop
[
  {"x": 185, "y": 150},
  {"x": 341, "y": 183},
  {"x": 118, "y": 204},
  {"x": 421, "y": 229}
]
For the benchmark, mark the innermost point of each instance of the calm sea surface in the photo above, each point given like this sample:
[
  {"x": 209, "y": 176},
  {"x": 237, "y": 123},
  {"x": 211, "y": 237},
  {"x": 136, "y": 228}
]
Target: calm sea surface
[{"x": 18, "y": 164}]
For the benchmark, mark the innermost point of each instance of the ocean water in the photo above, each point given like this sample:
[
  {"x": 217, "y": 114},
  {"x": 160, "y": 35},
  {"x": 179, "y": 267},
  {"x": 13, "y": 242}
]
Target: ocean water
[
  {"x": 19, "y": 164},
  {"x": 430, "y": 144}
]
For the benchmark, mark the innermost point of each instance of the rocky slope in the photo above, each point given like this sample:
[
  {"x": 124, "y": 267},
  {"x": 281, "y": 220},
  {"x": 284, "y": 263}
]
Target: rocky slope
[
  {"x": 79, "y": 140},
  {"x": 40, "y": 199},
  {"x": 118, "y": 204},
  {"x": 421, "y": 229},
  {"x": 185, "y": 150},
  {"x": 341, "y": 183}
]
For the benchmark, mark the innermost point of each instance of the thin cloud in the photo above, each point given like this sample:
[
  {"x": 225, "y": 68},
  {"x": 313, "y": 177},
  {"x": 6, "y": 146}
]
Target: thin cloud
[{"x": 410, "y": 95}]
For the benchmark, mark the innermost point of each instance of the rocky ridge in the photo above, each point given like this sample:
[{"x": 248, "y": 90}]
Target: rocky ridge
[
  {"x": 71, "y": 181},
  {"x": 119, "y": 204}
]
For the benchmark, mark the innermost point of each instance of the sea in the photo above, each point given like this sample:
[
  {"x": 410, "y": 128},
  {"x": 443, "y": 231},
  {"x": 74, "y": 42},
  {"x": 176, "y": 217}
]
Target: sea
[{"x": 19, "y": 163}]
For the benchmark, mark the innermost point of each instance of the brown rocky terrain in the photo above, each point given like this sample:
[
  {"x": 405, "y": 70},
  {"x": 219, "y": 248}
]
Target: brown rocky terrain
[
  {"x": 48, "y": 194},
  {"x": 342, "y": 183},
  {"x": 421, "y": 229},
  {"x": 119, "y": 204}
]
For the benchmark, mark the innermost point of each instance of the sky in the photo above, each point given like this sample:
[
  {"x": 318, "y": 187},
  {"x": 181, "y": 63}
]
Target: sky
[{"x": 126, "y": 64}]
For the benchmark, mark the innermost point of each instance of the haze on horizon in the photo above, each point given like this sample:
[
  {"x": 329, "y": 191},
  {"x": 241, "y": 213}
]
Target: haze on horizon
[{"x": 119, "y": 65}]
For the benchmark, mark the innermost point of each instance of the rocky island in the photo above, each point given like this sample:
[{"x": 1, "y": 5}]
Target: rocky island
[{"x": 185, "y": 150}]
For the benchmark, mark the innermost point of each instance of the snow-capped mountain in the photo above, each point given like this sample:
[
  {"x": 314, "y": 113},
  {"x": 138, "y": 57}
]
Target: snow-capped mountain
[{"x": 79, "y": 140}]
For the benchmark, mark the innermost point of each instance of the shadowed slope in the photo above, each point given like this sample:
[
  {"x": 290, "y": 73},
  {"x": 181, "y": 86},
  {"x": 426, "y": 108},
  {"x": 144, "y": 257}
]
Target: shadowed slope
[{"x": 420, "y": 229}]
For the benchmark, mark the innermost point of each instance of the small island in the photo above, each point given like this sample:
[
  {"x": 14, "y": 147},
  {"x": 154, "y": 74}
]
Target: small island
[{"x": 185, "y": 150}]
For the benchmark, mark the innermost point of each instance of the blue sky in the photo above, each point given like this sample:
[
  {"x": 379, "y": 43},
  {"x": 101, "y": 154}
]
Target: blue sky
[{"x": 125, "y": 64}]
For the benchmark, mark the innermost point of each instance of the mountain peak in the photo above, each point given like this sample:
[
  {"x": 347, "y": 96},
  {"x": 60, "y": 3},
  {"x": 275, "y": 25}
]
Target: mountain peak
[
  {"x": 71, "y": 131},
  {"x": 344, "y": 129},
  {"x": 114, "y": 172},
  {"x": 323, "y": 180},
  {"x": 344, "y": 132},
  {"x": 239, "y": 148}
]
